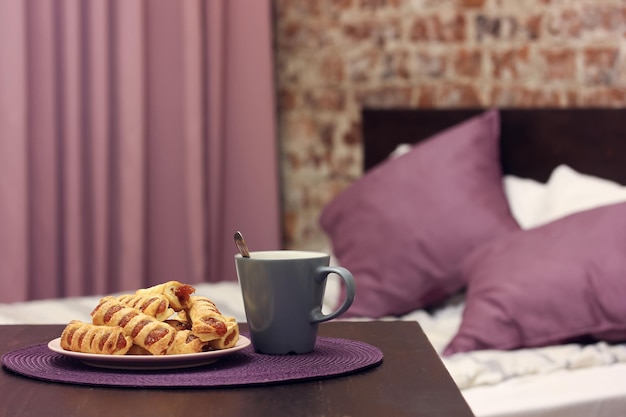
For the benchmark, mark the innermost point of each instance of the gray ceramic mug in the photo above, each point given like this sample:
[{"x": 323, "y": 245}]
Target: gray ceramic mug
[{"x": 283, "y": 294}]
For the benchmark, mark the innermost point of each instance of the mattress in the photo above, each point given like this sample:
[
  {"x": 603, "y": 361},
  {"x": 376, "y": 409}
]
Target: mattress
[{"x": 568, "y": 380}]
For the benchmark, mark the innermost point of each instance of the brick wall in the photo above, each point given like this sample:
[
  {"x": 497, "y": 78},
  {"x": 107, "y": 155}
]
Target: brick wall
[{"x": 335, "y": 56}]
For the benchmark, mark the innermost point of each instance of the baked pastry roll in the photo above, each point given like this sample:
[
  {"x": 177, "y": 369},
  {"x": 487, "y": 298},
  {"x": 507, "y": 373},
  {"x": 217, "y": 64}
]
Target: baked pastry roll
[
  {"x": 138, "y": 350},
  {"x": 155, "y": 305},
  {"x": 178, "y": 324},
  {"x": 176, "y": 293},
  {"x": 186, "y": 342},
  {"x": 149, "y": 333},
  {"x": 88, "y": 338},
  {"x": 229, "y": 339},
  {"x": 206, "y": 320}
]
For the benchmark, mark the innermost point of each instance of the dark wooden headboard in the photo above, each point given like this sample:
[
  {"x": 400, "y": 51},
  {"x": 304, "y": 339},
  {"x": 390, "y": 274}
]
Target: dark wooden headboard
[{"x": 533, "y": 141}]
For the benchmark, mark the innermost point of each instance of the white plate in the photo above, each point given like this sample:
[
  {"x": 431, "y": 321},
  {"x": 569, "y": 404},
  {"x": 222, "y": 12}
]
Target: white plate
[{"x": 149, "y": 362}]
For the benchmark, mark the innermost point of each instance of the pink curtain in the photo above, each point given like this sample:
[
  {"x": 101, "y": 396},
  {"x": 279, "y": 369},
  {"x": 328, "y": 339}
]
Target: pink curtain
[{"x": 136, "y": 136}]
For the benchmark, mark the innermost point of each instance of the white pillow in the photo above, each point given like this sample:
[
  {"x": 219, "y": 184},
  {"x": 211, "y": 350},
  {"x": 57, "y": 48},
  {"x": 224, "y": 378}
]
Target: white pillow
[
  {"x": 400, "y": 150},
  {"x": 570, "y": 192},
  {"x": 527, "y": 200},
  {"x": 566, "y": 192}
]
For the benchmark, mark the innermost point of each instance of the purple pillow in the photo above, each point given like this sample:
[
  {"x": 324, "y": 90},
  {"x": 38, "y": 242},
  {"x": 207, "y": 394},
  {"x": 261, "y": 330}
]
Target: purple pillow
[
  {"x": 405, "y": 226},
  {"x": 548, "y": 285}
]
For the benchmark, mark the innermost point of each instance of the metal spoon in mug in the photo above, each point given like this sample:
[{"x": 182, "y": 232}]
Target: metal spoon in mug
[{"x": 241, "y": 245}]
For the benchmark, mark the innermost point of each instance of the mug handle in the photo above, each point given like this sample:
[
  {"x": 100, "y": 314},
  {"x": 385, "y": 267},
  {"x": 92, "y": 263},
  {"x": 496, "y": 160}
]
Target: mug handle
[{"x": 322, "y": 273}]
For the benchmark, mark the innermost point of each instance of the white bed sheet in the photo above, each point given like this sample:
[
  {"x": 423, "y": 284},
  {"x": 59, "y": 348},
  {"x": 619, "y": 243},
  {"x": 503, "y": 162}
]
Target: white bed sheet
[
  {"x": 590, "y": 392},
  {"x": 559, "y": 381}
]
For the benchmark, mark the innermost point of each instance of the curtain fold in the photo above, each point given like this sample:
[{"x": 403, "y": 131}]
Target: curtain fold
[
  {"x": 14, "y": 242},
  {"x": 135, "y": 137}
]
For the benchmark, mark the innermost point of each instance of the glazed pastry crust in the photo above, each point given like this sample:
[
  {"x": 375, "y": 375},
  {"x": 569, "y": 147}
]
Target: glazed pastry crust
[
  {"x": 186, "y": 342},
  {"x": 176, "y": 293},
  {"x": 230, "y": 338},
  {"x": 147, "y": 332},
  {"x": 88, "y": 338},
  {"x": 155, "y": 305},
  {"x": 206, "y": 320}
]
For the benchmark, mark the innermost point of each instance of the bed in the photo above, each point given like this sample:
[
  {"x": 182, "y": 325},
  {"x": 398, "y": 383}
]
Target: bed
[
  {"x": 555, "y": 163},
  {"x": 546, "y": 169}
]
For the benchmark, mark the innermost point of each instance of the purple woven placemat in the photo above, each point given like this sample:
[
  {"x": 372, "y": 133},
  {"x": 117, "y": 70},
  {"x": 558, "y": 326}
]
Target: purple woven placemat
[{"x": 331, "y": 357}]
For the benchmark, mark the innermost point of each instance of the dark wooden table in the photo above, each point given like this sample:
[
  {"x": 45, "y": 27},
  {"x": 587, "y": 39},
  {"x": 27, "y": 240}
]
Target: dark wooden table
[{"x": 411, "y": 381}]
